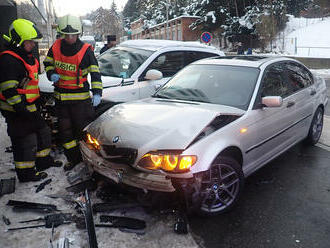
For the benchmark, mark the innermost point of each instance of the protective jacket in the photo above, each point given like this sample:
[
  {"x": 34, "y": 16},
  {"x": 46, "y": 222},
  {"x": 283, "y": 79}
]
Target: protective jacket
[
  {"x": 73, "y": 63},
  {"x": 18, "y": 86}
]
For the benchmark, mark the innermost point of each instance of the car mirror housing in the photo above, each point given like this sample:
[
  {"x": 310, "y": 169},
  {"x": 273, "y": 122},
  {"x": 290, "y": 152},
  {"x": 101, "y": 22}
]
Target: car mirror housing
[
  {"x": 153, "y": 75},
  {"x": 272, "y": 101}
]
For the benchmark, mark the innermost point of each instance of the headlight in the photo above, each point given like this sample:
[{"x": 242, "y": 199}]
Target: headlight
[
  {"x": 91, "y": 141},
  {"x": 167, "y": 162}
]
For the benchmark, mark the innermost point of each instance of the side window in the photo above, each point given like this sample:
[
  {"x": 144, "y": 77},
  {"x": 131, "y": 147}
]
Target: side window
[
  {"x": 274, "y": 83},
  {"x": 192, "y": 56},
  {"x": 298, "y": 76},
  {"x": 168, "y": 63}
]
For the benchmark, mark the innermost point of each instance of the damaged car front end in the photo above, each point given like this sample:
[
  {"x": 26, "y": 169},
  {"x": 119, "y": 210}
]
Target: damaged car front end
[{"x": 214, "y": 123}]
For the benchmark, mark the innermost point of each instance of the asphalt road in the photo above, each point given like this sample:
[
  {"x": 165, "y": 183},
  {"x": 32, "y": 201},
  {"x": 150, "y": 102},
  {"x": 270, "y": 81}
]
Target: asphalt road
[{"x": 284, "y": 204}]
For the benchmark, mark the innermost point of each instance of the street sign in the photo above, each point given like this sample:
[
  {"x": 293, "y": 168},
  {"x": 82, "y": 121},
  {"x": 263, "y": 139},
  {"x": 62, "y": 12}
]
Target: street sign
[{"x": 206, "y": 37}]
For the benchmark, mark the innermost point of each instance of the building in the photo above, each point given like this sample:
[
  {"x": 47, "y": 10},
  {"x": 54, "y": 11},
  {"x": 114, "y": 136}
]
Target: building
[
  {"x": 40, "y": 12},
  {"x": 174, "y": 29}
]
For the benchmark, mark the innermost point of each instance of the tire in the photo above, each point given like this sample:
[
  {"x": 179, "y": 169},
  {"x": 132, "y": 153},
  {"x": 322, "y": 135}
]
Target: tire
[
  {"x": 315, "y": 130},
  {"x": 221, "y": 187}
]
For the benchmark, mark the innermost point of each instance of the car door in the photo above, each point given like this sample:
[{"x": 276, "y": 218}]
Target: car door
[
  {"x": 301, "y": 82},
  {"x": 168, "y": 63},
  {"x": 270, "y": 128}
]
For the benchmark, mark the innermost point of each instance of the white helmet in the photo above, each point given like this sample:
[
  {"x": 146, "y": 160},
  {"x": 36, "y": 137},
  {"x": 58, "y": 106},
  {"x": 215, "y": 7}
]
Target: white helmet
[{"x": 69, "y": 25}]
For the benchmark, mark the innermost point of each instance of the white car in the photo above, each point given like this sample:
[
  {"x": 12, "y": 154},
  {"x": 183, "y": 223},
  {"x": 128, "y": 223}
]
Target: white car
[
  {"x": 135, "y": 69},
  {"x": 213, "y": 124}
]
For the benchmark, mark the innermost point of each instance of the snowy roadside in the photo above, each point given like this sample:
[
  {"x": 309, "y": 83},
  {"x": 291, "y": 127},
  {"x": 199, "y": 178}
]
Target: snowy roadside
[{"x": 159, "y": 231}]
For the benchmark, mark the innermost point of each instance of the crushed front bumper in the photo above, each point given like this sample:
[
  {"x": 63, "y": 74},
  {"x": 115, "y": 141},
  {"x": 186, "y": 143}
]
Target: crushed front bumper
[{"x": 121, "y": 173}]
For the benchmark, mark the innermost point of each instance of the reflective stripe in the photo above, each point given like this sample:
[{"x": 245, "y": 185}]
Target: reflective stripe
[
  {"x": 71, "y": 96},
  {"x": 93, "y": 68},
  {"x": 70, "y": 144},
  {"x": 24, "y": 165},
  {"x": 14, "y": 100},
  {"x": 65, "y": 77},
  {"x": 97, "y": 85},
  {"x": 48, "y": 68},
  {"x": 7, "y": 107},
  {"x": 8, "y": 84},
  {"x": 43, "y": 153},
  {"x": 49, "y": 59},
  {"x": 84, "y": 72},
  {"x": 31, "y": 108}
]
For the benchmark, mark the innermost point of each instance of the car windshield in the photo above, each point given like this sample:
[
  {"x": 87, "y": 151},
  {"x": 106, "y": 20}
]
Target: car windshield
[
  {"x": 216, "y": 84},
  {"x": 122, "y": 61}
]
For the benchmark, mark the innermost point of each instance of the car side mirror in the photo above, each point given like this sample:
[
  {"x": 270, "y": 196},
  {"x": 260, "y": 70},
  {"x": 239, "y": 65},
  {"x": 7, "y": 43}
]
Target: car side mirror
[
  {"x": 153, "y": 75},
  {"x": 272, "y": 101}
]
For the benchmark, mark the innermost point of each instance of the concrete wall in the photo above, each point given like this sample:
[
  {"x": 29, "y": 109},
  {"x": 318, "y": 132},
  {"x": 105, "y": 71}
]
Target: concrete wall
[
  {"x": 314, "y": 63},
  {"x": 311, "y": 63}
]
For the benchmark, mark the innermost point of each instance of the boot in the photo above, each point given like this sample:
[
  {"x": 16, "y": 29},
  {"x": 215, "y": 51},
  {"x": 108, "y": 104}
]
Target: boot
[
  {"x": 47, "y": 162},
  {"x": 37, "y": 176}
]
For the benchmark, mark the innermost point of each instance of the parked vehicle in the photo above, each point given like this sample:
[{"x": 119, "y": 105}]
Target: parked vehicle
[
  {"x": 213, "y": 124},
  {"x": 135, "y": 69}
]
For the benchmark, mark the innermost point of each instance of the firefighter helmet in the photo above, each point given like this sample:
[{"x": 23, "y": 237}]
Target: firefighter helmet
[
  {"x": 21, "y": 30},
  {"x": 69, "y": 25}
]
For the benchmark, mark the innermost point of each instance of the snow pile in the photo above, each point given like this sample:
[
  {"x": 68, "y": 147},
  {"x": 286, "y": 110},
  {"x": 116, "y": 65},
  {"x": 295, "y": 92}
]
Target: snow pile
[
  {"x": 159, "y": 231},
  {"x": 305, "y": 37}
]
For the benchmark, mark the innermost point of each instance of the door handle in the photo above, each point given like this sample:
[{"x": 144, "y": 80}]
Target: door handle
[
  {"x": 313, "y": 92},
  {"x": 290, "y": 104}
]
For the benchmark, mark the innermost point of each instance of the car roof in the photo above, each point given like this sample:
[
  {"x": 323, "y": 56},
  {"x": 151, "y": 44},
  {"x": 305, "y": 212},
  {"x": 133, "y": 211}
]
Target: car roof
[
  {"x": 243, "y": 60},
  {"x": 155, "y": 45}
]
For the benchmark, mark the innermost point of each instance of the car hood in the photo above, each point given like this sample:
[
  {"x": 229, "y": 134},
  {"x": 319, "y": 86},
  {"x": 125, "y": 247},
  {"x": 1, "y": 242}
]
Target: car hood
[
  {"x": 47, "y": 86},
  {"x": 156, "y": 123}
]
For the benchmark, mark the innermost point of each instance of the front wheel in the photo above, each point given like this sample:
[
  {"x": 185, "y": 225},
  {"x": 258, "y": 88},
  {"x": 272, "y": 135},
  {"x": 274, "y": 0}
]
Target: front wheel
[
  {"x": 221, "y": 186},
  {"x": 316, "y": 127}
]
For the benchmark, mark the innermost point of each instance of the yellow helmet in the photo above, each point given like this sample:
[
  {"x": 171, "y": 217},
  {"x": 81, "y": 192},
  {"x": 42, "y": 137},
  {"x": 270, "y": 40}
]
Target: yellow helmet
[
  {"x": 21, "y": 30},
  {"x": 69, "y": 25}
]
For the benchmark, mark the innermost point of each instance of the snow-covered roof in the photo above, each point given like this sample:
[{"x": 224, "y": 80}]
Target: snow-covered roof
[
  {"x": 86, "y": 22},
  {"x": 154, "y": 45}
]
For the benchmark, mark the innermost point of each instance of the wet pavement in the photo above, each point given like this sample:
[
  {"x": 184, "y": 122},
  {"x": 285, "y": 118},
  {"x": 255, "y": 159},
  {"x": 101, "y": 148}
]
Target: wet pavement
[{"x": 284, "y": 204}]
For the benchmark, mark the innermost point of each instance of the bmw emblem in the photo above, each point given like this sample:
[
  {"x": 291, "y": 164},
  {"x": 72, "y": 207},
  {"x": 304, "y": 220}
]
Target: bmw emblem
[{"x": 115, "y": 139}]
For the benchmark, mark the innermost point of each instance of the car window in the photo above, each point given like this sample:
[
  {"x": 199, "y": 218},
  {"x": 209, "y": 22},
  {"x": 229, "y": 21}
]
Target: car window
[
  {"x": 192, "y": 56},
  {"x": 298, "y": 76},
  {"x": 217, "y": 84},
  {"x": 122, "y": 62},
  {"x": 168, "y": 63},
  {"x": 274, "y": 82}
]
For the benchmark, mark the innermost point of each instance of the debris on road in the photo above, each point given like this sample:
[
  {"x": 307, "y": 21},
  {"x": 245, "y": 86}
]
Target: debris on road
[{"x": 7, "y": 186}]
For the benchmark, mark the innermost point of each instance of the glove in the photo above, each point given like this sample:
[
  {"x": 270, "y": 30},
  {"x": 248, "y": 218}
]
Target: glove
[
  {"x": 96, "y": 100},
  {"x": 54, "y": 77}
]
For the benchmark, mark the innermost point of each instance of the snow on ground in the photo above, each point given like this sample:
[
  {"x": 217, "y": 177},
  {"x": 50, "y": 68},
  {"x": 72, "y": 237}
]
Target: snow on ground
[
  {"x": 159, "y": 231},
  {"x": 304, "y": 37}
]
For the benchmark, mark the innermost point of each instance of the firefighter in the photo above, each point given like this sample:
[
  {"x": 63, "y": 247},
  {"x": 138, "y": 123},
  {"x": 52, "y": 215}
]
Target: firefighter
[
  {"x": 67, "y": 64},
  {"x": 19, "y": 92}
]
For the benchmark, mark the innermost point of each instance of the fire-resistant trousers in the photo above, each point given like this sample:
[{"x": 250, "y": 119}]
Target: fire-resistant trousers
[
  {"x": 72, "y": 118},
  {"x": 31, "y": 142}
]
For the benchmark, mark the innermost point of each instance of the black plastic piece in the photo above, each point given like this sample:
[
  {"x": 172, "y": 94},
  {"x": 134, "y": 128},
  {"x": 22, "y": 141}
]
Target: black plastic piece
[
  {"x": 122, "y": 222},
  {"x": 40, "y": 207},
  {"x": 6, "y": 220},
  {"x": 82, "y": 186},
  {"x": 43, "y": 184},
  {"x": 107, "y": 207},
  {"x": 7, "y": 186}
]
